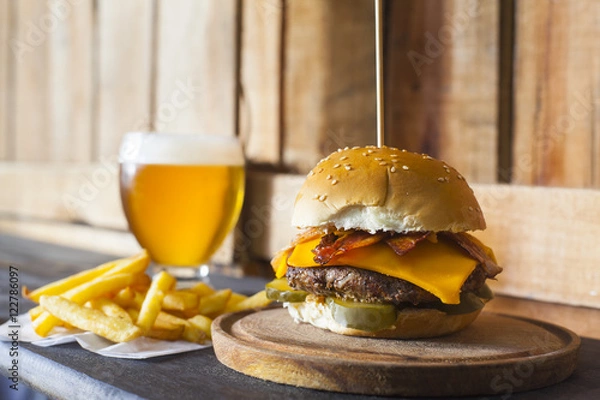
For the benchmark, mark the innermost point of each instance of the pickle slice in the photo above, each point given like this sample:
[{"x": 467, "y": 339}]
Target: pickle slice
[
  {"x": 469, "y": 302},
  {"x": 279, "y": 290},
  {"x": 364, "y": 316}
]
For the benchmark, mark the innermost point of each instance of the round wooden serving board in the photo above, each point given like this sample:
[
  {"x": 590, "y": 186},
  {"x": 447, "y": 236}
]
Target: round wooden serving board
[{"x": 497, "y": 354}]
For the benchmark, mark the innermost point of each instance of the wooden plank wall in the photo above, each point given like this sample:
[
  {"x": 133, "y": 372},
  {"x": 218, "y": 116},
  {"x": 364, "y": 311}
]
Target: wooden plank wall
[
  {"x": 442, "y": 81},
  {"x": 75, "y": 76},
  {"x": 124, "y": 50},
  {"x": 4, "y": 77},
  {"x": 52, "y": 78},
  {"x": 506, "y": 91},
  {"x": 261, "y": 65},
  {"x": 294, "y": 79},
  {"x": 557, "y": 93},
  {"x": 328, "y": 85},
  {"x": 196, "y": 66}
]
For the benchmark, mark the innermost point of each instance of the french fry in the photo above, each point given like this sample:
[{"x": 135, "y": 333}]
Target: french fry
[
  {"x": 233, "y": 301},
  {"x": 203, "y": 323},
  {"x": 124, "y": 297},
  {"x": 135, "y": 264},
  {"x": 62, "y": 285},
  {"x": 121, "y": 291},
  {"x": 162, "y": 283},
  {"x": 190, "y": 332},
  {"x": 213, "y": 304},
  {"x": 133, "y": 313},
  {"x": 141, "y": 283},
  {"x": 165, "y": 334},
  {"x": 111, "y": 328},
  {"x": 164, "y": 323},
  {"x": 44, "y": 323},
  {"x": 109, "y": 308},
  {"x": 202, "y": 289},
  {"x": 99, "y": 287},
  {"x": 180, "y": 300},
  {"x": 257, "y": 300},
  {"x": 35, "y": 312}
]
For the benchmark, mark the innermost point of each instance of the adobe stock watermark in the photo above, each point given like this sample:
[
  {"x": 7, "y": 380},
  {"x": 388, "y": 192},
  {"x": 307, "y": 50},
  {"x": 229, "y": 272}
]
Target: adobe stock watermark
[
  {"x": 260, "y": 218},
  {"x": 339, "y": 138},
  {"x": 435, "y": 47},
  {"x": 106, "y": 172},
  {"x": 168, "y": 110},
  {"x": 580, "y": 108},
  {"x": 516, "y": 378},
  {"x": 269, "y": 9},
  {"x": 36, "y": 31}
]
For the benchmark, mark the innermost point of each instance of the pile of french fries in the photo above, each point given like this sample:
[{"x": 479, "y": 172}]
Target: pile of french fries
[{"x": 118, "y": 301}]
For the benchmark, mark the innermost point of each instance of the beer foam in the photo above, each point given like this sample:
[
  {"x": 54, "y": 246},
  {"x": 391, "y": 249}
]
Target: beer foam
[{"x": 179, "y": 149}]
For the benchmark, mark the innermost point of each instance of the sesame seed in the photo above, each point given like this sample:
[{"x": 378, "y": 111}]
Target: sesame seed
[
  {"x": 311, "y": 173},
  {"x": 470, "y": 208},
  {"x": 370, "y": 151},
  {"x": 383, "y": 163},
  {"x": 441, "y": 179},
  {"x": 333, "y": 182},
  {"x": 356, "y": 147},
  {"x": 378, "y": 158},
  {"x": 320, "y": 170},
  {"x": 365, "y": 154},
  {"x": 395, "y": 161},
  {"x": 405, "y": 167},
  {"x": 403, "y": 150},
  {"x": 316, "y": 196},
  {"x": 460, "y": 177},
  {"x": 322, "y": 197},
  {"x": 394, "y": 155},
  {"x": 447, "y": 169},
  {"x": 393, "y": 169},
  {"x": 328, "y": 177},
  {"x": 348, "y": 167},
  {"x": 336, "y": 165},
  {"x": 447, "y": 179},
  {"x": 343, "y": 158}
]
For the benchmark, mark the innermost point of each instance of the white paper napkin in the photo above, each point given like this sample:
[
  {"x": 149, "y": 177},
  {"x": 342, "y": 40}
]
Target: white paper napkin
[{"x": 139, "y": 348}]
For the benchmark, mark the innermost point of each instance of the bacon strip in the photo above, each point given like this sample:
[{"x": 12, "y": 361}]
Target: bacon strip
[
  {"x": 403, "y": 243},
  {"x": 334, "y": 244},
  {"x": 470, "y": 245}
]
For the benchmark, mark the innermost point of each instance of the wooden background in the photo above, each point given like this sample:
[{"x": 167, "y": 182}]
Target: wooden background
[{"x": 508, "y": 92}]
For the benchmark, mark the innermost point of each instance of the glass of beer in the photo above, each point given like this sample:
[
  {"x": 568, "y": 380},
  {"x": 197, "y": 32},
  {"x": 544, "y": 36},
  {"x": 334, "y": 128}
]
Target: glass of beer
[{"x": 182, "y": 194}]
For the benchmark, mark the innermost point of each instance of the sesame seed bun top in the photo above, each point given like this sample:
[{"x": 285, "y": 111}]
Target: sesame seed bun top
[{"x": 374, "y": 189}]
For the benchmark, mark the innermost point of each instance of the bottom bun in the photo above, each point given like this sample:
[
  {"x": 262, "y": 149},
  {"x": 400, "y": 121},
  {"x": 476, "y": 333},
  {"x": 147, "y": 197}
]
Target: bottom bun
[{"x": 412, "y": 323}]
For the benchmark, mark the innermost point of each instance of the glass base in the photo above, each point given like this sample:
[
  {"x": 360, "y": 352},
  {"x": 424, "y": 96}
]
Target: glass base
[{"x": 186, "y": 276}]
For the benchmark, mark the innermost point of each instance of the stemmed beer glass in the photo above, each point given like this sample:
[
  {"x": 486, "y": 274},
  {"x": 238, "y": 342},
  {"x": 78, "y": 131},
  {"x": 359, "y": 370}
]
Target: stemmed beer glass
[{"x": 182, "y": 194}]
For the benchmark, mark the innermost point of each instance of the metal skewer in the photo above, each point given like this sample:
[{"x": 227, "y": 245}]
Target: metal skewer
[{"x": 379, "y": 70}]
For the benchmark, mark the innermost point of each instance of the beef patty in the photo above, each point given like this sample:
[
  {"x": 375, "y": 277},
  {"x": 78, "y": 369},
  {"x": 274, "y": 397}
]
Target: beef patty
[{"x": 355, "y": 284}]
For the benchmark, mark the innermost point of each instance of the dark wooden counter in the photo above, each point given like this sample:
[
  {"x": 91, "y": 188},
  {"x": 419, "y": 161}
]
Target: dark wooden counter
[{"x": 69, "y": 372}]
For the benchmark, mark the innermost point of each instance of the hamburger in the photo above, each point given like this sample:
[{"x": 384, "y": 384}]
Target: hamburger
[{"x": 383, "y": 249}]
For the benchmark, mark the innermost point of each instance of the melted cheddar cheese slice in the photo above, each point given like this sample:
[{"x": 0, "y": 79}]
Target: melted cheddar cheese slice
[{"x": 440, "y": 268}]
